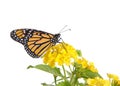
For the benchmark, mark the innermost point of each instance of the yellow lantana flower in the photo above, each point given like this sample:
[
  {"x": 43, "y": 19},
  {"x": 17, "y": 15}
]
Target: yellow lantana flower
[
  {"x": 98, "y": 82},
  {"x": 87, "y": 64},
  {"x": 113, "y": 76},
  {"x": 114, "y": 79},
  {"x": 60, "y": 54}
]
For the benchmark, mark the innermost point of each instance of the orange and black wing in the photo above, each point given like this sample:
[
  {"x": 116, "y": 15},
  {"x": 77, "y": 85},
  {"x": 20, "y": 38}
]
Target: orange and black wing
[
  {"x": 38, "y": 43},
  {"x": 19, "y": 35}
]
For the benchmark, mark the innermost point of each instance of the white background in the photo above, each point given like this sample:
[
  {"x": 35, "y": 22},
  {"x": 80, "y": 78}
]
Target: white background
[{"x": 95, "y": 30}]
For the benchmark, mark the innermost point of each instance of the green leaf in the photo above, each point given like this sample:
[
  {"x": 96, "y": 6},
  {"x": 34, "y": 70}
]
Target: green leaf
[
  {"x": 55, "y": 71},
  {"x": 44, "y": 84},
  {"x": 65, "y": 83},
  {"x": 89, "y": 74},
  {"x": 79, "y": 52}
]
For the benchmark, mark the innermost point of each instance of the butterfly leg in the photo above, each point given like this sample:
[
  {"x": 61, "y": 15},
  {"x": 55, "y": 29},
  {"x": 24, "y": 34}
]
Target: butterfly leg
[{"x": 63, "y": 44}]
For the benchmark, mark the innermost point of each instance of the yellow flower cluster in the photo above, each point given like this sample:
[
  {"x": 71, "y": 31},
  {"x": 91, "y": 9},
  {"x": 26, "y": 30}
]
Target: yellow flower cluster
[
  {"x": 114, "y": 79},
  {"x": 113, "y": 76},
  {"x": 87, "y": 64},
  {"x": 98, "y": 82},
  {"x": 60, "y": 54}
]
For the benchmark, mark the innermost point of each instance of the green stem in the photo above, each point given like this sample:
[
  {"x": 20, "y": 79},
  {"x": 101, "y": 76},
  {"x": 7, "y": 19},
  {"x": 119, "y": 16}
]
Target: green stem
[
  {"x": 70, "y": 69},
  {"x": 74, "y": 80},
  {"x": 64, "y": 72},
  {"x": 55, "y": 80}
]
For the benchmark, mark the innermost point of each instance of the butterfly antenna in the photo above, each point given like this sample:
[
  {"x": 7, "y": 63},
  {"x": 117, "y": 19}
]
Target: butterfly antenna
[
  {"x": 63, "y": 28},
  {"x": 66, "y": 30}
]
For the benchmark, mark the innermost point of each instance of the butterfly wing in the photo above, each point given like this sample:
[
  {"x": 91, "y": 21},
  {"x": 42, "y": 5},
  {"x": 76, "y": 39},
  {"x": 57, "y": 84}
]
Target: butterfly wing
[
  {"x": 35, "y": 42},
  {"x": 38, "y": 42},
  {"x": 19, "y": 35}
]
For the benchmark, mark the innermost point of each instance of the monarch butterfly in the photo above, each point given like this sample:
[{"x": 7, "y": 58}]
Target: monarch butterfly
[{"x": 36, "y": 42}]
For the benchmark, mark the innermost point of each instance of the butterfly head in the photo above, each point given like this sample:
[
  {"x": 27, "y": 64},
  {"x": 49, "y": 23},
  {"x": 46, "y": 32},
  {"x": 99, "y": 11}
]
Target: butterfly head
[
  {"x": 56, "y": 38},
  {"x": 57, "y": 35}
]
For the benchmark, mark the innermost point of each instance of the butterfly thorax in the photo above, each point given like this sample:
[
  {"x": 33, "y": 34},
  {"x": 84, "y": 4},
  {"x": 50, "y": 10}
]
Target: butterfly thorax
[{"x": 56, "y": 39}]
